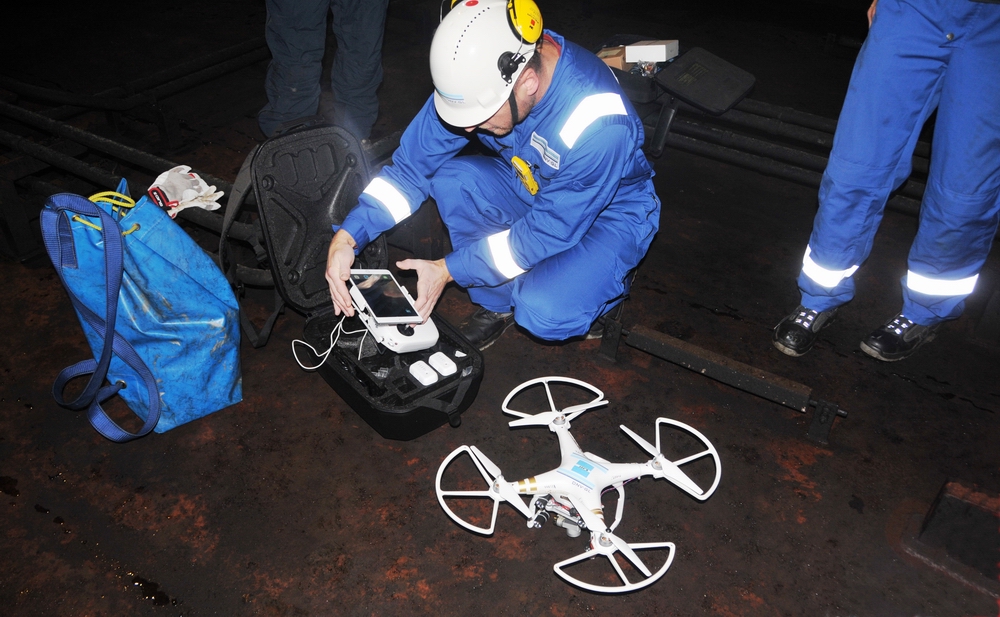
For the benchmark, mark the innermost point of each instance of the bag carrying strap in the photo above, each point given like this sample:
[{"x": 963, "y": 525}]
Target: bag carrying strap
[
  {"x": 236, "y": 274},
  {"x": 58, "y": 238}
]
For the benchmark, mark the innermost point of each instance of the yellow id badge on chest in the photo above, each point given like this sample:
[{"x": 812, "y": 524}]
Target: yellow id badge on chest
[{"x": 523, "y": 170}]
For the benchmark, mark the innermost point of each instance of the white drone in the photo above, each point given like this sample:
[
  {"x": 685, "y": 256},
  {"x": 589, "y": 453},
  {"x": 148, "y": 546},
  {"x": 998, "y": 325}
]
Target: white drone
[{"x": 571, "y": 494}]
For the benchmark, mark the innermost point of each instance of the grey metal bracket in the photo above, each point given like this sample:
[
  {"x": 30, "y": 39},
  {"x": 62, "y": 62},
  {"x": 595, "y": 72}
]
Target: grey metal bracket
[
  {"x": 822, "y": 421},
  {"x": 726, "y": 370}
]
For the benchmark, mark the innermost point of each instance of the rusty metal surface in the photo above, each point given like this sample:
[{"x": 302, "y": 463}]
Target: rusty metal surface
[{"x": 288, "y": 504}]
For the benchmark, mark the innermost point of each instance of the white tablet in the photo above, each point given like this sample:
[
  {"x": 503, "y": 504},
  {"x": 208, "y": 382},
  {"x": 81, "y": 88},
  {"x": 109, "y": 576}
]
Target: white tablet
[{"x": 377, "y": 293}]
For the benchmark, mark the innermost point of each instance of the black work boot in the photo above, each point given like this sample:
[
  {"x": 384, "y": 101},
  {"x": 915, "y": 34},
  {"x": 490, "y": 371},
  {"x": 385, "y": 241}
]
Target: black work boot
[
  {"x": 597, "y": 328},
  {"x": 797, "y": 332},
  {"x": 484, "y": 327},
  {"x": 897, "y": 339}
]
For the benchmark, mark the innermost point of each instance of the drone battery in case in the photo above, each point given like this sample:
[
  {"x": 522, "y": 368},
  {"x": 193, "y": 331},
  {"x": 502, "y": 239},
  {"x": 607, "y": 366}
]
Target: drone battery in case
[{"x": 304, "y": 183}]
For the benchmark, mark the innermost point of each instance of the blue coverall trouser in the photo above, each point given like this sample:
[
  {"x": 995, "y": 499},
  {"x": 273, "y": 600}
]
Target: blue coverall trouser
[
  {"x": 919, "y": 56},
  {"x": 296, "y": 35},
  {"x": 561, "y": 296}
]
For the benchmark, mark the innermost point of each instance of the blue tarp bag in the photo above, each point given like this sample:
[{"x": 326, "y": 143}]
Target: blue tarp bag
[{"x": 159, "y": 315}]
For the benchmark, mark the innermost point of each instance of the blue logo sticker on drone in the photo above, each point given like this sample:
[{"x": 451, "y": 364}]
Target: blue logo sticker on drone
[{"x": 581, "y": 470}]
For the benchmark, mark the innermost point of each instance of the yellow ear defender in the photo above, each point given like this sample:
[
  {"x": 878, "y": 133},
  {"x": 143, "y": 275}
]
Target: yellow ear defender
[{"x": 525, "y": 20}]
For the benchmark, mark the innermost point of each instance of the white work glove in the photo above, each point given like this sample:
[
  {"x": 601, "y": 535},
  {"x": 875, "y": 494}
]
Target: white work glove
[{"x": 178, "y": 188}]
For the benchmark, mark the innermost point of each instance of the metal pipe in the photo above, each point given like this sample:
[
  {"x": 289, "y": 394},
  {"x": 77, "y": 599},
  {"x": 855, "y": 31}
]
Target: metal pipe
[
  {"x": 752, "y": 145},
  {"x": 804, "y": 119},
  {"x": 379, "y": 153},
  {"x": 748, "y": 144},
  {"x": 789, "y": 115},
  {"x": 770, "y": 126},
  {"x": 210, "y": 73},
  {"x": 56, "y": 159},
  {"x": 898, "y": 203},
  {"x": 192, "y": 66},
  {"x": 203, "y": 218},
  {"x": 111, "y": 103},
  {"x": 125, "y": 153},
  {"x": 47, "y": 95},
  {"x": 166, "y": 75}
]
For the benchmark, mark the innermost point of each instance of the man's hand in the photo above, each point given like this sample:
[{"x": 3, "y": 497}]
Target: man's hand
[
  {"x": 339, "y": 259},
  {"x": 432, "y": 276}
]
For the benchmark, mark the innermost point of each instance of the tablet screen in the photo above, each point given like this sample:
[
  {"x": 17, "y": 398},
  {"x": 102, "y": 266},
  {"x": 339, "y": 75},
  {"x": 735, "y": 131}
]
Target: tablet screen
[{"x": 384, "y": 297}]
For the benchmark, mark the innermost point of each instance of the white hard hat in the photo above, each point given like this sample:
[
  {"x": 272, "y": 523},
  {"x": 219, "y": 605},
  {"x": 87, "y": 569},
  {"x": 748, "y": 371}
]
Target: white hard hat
[{"x": 478, "y": 52}]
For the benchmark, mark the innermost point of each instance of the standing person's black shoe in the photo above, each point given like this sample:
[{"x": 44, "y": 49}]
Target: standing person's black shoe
[
  {"x": 484, "y": 327},
  {"x": 897, "y": 339},
  {"x": 797, "y": 332}
]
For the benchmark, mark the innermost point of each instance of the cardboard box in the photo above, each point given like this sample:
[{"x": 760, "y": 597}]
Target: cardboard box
[
  {"x": 614, "y": 57},
  {"x": 651, "y": 51}
]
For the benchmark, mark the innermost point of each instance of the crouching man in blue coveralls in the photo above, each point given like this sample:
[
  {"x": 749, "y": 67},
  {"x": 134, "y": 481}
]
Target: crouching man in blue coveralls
[
  {"x": 546, "y": 232},
  {"x": 920, "y": 55}
]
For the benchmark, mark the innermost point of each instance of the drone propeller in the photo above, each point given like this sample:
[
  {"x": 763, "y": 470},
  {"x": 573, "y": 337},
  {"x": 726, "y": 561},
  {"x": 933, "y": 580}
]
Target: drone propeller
[
  {"x": 645, "y": 445},
  {"x": 505, "y": 489},
  {"x": 490, "y": 466},
  {"x": 671, "y": 470},
  {"x": 607, "y": 551},
  {"x": 497, "y": 489},
  {"x": 626, "y": 550},
  {"x": 547, "y": 417},
  {"x": 605, "y": 537},
  {"x": 665, "y": 468},
  {"x": 604, "y": 543}
]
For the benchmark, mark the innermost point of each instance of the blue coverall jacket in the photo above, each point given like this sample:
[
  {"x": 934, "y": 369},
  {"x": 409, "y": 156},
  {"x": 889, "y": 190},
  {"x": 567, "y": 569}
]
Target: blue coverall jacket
[{"x": 560, "y": 257}]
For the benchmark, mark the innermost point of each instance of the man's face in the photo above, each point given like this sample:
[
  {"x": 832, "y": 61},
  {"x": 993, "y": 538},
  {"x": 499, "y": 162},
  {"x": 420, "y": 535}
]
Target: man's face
[{"x": 499, "y": 124}]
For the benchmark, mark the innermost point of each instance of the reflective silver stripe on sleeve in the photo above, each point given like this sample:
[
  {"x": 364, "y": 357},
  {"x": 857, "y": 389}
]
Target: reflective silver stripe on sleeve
[
  {"x": 940, "y": 287},
  {"x": 390, "y": 197},
  {"x": 503, "y": 259},
  {"x": 590, "y": 109},
  {"x": 825, "y": 278}
]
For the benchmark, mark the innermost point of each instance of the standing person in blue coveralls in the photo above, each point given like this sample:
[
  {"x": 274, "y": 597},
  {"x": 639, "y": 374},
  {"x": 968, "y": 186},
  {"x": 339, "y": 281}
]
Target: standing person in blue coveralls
[
  {"x": 546, "y": 232},
  {"x": 920, "y": 55},
  {"x": 296, "y": 35}
]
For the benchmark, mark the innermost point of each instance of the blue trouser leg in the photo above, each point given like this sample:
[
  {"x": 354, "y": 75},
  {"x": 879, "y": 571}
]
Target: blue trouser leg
[
  {"x": 357, "y": 67},
  {"x": 908, "y": 67},
  {"x": 959, "y": 213},
  {"x": 894, "y": 88},
  {"x": 296, "y": 35},
  {"x": 561, "y": 296}
]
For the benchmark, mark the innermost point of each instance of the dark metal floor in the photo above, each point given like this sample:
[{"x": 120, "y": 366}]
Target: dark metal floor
[{"x": 288, "y": 504}]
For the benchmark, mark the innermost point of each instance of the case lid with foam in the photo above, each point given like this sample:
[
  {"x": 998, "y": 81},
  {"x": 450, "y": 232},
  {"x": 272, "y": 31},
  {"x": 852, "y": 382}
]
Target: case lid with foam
[{"x": 306, "y": 182}]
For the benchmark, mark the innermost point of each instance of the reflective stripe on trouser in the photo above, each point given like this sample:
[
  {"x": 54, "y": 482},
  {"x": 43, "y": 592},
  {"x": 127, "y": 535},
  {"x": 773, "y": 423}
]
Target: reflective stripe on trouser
[
  {"x": 906, "y": 69},
  {"x": 561, "y": 296}
]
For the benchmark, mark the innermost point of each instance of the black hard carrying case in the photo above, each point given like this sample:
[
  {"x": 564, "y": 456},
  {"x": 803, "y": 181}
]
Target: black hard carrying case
[{"x": 304, "y": 183}]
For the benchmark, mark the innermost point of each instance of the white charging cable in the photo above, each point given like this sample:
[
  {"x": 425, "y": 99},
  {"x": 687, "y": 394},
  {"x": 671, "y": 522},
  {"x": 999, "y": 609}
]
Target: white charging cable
[{"x": 337, "y": 330}]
